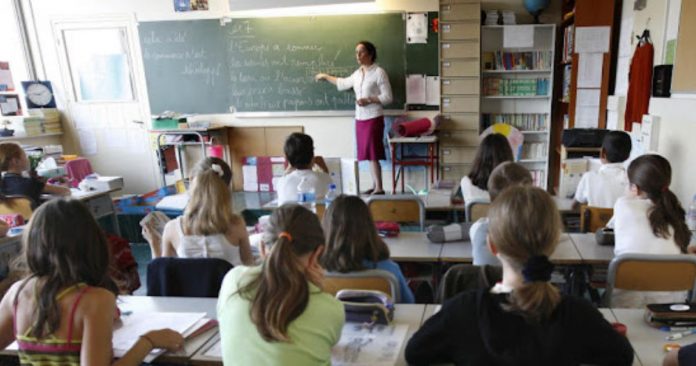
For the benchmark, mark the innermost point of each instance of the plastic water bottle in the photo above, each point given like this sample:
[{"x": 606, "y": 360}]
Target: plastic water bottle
[
  {"x": 330, "y": 195},
  {"x": 691, "y": 216},
  {"x": 305, "y": 193}
]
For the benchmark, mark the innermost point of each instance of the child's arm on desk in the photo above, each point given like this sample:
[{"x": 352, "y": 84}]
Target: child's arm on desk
[{"x": 56, "y": 190}]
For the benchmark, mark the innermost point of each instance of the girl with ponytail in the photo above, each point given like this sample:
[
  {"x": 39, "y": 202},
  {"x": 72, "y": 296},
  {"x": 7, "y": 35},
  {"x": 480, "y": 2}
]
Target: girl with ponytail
[
  {"x": 208, "y": 228},
  {"x": 523, "y": 320},
  {"x": 649, "y": 220},
  {"x": 276, "y": 313}
]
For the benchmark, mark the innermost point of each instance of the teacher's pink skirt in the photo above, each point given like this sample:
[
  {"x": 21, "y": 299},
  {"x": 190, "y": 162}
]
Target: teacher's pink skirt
[{"x": 369, "y": 134}]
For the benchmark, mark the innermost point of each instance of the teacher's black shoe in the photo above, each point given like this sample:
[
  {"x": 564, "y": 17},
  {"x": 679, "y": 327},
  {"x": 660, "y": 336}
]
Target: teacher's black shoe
[
  {"x": 380, "y": 193},
  {"x": 369, "y": 191}
]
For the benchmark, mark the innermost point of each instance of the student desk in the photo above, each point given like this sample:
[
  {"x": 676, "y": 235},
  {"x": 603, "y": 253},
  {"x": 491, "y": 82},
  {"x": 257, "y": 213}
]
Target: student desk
[
  {"x": 411, "y": 314},
  {"x": 100, "y": 204},
  {"x": 590, "y": 251},
  {"x": 413, "y": 247},
  {"x": 461, "y": 252},
  {"x": 646, "y": 340}
]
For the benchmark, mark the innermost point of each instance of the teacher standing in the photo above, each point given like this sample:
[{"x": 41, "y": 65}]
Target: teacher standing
[{"x": 372, "y": 91}]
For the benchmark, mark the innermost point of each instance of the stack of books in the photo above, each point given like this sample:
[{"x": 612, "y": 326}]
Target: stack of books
[
  {"x": 499, "y": 60},
  {"x": 568, "y": 40},
  {"x": 538, "y": 177},
  {"x": 509, "y": 17},
  {"x": 491, "y": 17},
  {"x": 534, "y": 151},
  {"x": 42, "y": 121},
  {"x": 565, "y": 93},
  {"x": 33, "y": 126},
  {"x": 497, "y": 86},
  {"x": 521, "y": 121}
]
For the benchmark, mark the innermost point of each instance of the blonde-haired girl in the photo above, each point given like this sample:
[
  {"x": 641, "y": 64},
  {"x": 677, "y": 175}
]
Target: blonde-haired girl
[
  {"x": 523, "y": 320},
  {"x": 276, "y": 313},
  {"x": 208, "y": 228}
]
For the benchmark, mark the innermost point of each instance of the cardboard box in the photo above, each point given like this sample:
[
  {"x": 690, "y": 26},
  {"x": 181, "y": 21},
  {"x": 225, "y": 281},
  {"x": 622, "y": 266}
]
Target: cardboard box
[{"x": 102, "y": 183}]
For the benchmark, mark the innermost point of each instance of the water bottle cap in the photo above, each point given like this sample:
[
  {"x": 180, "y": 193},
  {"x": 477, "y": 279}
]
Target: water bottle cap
[{"x": 332, "y": 186}]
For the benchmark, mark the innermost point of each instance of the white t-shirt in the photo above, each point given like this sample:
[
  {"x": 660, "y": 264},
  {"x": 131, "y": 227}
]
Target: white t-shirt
[
  {"x": 287, "y": 185},
  {"x": 603, "y": 187},
  {"x": 205, "y": 246},
  {"x": 374, "y": 82},
  {"x": 471, "y": 192},
  {"x": 633, "y": 234}
]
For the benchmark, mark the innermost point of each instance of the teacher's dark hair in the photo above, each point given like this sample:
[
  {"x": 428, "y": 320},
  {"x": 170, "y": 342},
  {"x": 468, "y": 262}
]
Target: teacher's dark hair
[
  {"x": 370, "y": 48},
  {"x": 299, "y": 150}
]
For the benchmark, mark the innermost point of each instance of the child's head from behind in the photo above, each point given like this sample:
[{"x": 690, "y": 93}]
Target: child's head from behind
[
  {"x": 524, "y": 229},
  {"x": 12, "y": 156},
  {"x": 64, "y": 246},
  {"x": 294, "y": 241},
  {"x": 651, "y": 175},
  {"x": 351, "y": 236},
  {"x": 493, "y": 150},
  {"x": 506, "y": 175},
  {"x": 299, "y": 150},
  {"x": 616, "y": 147},
  {"x": 209, "y": 210}
]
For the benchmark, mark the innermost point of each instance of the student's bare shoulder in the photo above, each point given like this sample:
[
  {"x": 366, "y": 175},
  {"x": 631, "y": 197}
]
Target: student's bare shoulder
[{"x": 97, "y": 299}]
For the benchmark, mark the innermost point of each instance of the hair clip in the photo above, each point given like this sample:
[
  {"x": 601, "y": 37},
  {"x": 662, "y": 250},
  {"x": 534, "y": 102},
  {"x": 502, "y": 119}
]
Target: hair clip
[
  {"x": 285, "y": 235},
  {"x": 217, "y": 169}
]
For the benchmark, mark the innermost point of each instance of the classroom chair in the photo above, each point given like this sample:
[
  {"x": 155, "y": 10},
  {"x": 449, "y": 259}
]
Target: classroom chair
[
  {"x": 467, "y": 277},
  {"x": 649, "y": 272},
  {"x": 77, "y": 170},
  {"x": 369, "y": 279},
  {"x": 17, "y": 205},
  {"x": 187, "y": 277},
  {"x": 399, "y": 208},
  {"x": 476, "y": 209},
  {"x": 594, "y": 218}
]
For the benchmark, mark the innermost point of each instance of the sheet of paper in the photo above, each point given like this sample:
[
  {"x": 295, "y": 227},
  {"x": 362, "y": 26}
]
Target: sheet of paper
[
  {"x": 588, "y": 97},
  {"x": 117, "y": 138},
  {"x": 9, "y": 106},
  {"x": 592, "y": 39},
  {"x": 360, "y": 346},
  {"x": 6, "y": 80},
  {"x": 590, "y": 70},
  {"x": 415, "y": 89},
  {"x": 625, "y": 46},
  {"x": 622, "y": 65},
  {"x": 134, "y": 325},
  {"x": 417, "y": 28},
  {"x": 586, "y": 116},
  {"x": 518, "y": 36},
  {"x": 432, "y": 90},
  {"x": 88, "y": 142}
]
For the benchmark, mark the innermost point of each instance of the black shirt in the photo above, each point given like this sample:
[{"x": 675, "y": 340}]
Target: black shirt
[
  {"x": 473, "y": 329},
  {"x": 15, "y": 184}
]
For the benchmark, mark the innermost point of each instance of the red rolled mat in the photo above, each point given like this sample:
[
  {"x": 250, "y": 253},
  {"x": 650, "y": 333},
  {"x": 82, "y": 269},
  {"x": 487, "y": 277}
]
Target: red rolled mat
[{"x": 414, "y": 128}]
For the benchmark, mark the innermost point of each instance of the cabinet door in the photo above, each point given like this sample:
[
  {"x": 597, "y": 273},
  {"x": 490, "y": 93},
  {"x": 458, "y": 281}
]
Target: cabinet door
[
  {"x": 459, "y": 137},
  {"x": 452, "y": 104},
  {"x": 466, "y": 11},
  {"x": 455, "y": 171},
  {"x": 460, "y": 86},
  {"x": 457, "y": 155},
  {"x": 460, "y": 121},
  {"x": 460, "y": 68},
  {"x": 460, "y": 49},
  {"x": 457, "y": 31}
]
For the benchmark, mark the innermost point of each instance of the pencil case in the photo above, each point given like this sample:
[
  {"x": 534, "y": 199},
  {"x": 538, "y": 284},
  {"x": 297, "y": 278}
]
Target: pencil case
[{"x": 367, "y": 306}]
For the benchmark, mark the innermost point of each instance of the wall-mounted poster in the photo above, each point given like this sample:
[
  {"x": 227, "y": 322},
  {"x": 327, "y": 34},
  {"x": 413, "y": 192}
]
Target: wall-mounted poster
[{"x": 10, "y": 106}]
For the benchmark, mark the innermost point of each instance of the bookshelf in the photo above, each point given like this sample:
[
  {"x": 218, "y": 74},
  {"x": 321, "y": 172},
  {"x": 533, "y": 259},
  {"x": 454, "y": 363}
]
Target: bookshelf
[{"x": 516, "y": 89}]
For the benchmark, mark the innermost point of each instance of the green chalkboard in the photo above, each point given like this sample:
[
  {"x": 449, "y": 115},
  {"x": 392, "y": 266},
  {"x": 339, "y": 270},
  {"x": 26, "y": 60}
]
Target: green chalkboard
[{"x": 268, "y": 64}]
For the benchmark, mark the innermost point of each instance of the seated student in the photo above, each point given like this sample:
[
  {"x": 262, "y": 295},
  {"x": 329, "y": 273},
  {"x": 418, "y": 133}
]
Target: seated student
[
  {"x": 63, "y": 312},
  {"x": 523, "y": 320},
  {"x": 649, "y": 220},
  {"x": 352, "y": 242},
  {"x": 503, "y": 176},
  {"x": 604, "y": 187},
  {"x": 493, "y": 150},
  {"x": 685, "y": 356},
  {"x": 208, "y": 228},
  {"x": 276, "y": 313},
  {"x": 14, "y": 161},
  {"x": 299, "y": 150}
]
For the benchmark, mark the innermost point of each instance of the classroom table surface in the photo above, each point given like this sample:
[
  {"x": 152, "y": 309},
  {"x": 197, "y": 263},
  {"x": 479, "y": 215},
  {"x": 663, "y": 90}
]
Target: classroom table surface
[
  {"x": 413, "y": 247},
  {"x": 590, "y": 251},
  {"x": 462, "y": 252}
]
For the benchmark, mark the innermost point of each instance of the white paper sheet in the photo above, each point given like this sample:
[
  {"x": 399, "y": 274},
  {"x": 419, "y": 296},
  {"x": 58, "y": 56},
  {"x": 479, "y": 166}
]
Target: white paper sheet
[
  {"x": 588, "y": 97},
  {"x": 417, "y": 28},
  {"x": 360, "y": 346},
  {"x": 586, "y": 116},
  {"x": 518, "y": 36},
  {"x": 625, "y": 45},
  {"x": 432, "y": 90},
  {"x": 415, "y": 89},
  {"x": 9, "y": 106},
  {"x": 622, "y": 65},
  {"x": 590, "y": 70},
  {"x": 88, "y": 142},
  {"x": 592, "y": 39},
  {"x": 6, "y": 80}
]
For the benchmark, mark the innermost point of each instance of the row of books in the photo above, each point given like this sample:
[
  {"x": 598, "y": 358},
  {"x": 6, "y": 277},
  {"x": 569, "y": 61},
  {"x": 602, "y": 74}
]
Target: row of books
[
  {"x": 533, "y": 60},
  {"x": 565, "y": 91},
  {"x": 493, "y": 86},
  {"x": 568, "y": 43},
  {"x": 521, "y": 121},
  {"x": 534, "y": 150},
  {"x": 42, "y": 121},
  {"x": 538, "y": 177}
]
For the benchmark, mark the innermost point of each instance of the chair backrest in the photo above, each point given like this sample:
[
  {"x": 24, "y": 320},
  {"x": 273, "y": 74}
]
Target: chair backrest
[
  {"x": 399, "y": 208},
  {"x": 17, "y": 205},
  {"x": 77, "y": 170},
  {"x": 187, "y": 277},
  {"x": 594, "y": 218},
  {"x": 369, "y": 279},
  {"x": 476, "y": 209},
  {"x": 649, "y": 272},
  {"x": 466, "y": 277}
]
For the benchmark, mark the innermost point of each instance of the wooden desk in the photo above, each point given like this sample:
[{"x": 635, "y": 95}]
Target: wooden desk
[
  {"x": 590, "y": 251},
  {"x": 410, "y": 314},
  {"x": 100, "y": 204},
  {"x": 646, "y": 340},
  {"x": 413, "y": 247}
]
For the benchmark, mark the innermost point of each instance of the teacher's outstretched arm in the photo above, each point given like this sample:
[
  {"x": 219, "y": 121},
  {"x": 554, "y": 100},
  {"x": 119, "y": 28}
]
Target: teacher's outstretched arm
[{"x": 322, "y": 76}]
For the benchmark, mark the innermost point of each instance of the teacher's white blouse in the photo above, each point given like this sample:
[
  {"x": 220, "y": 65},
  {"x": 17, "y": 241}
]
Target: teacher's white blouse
[{"x": 373, "y": 82}]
